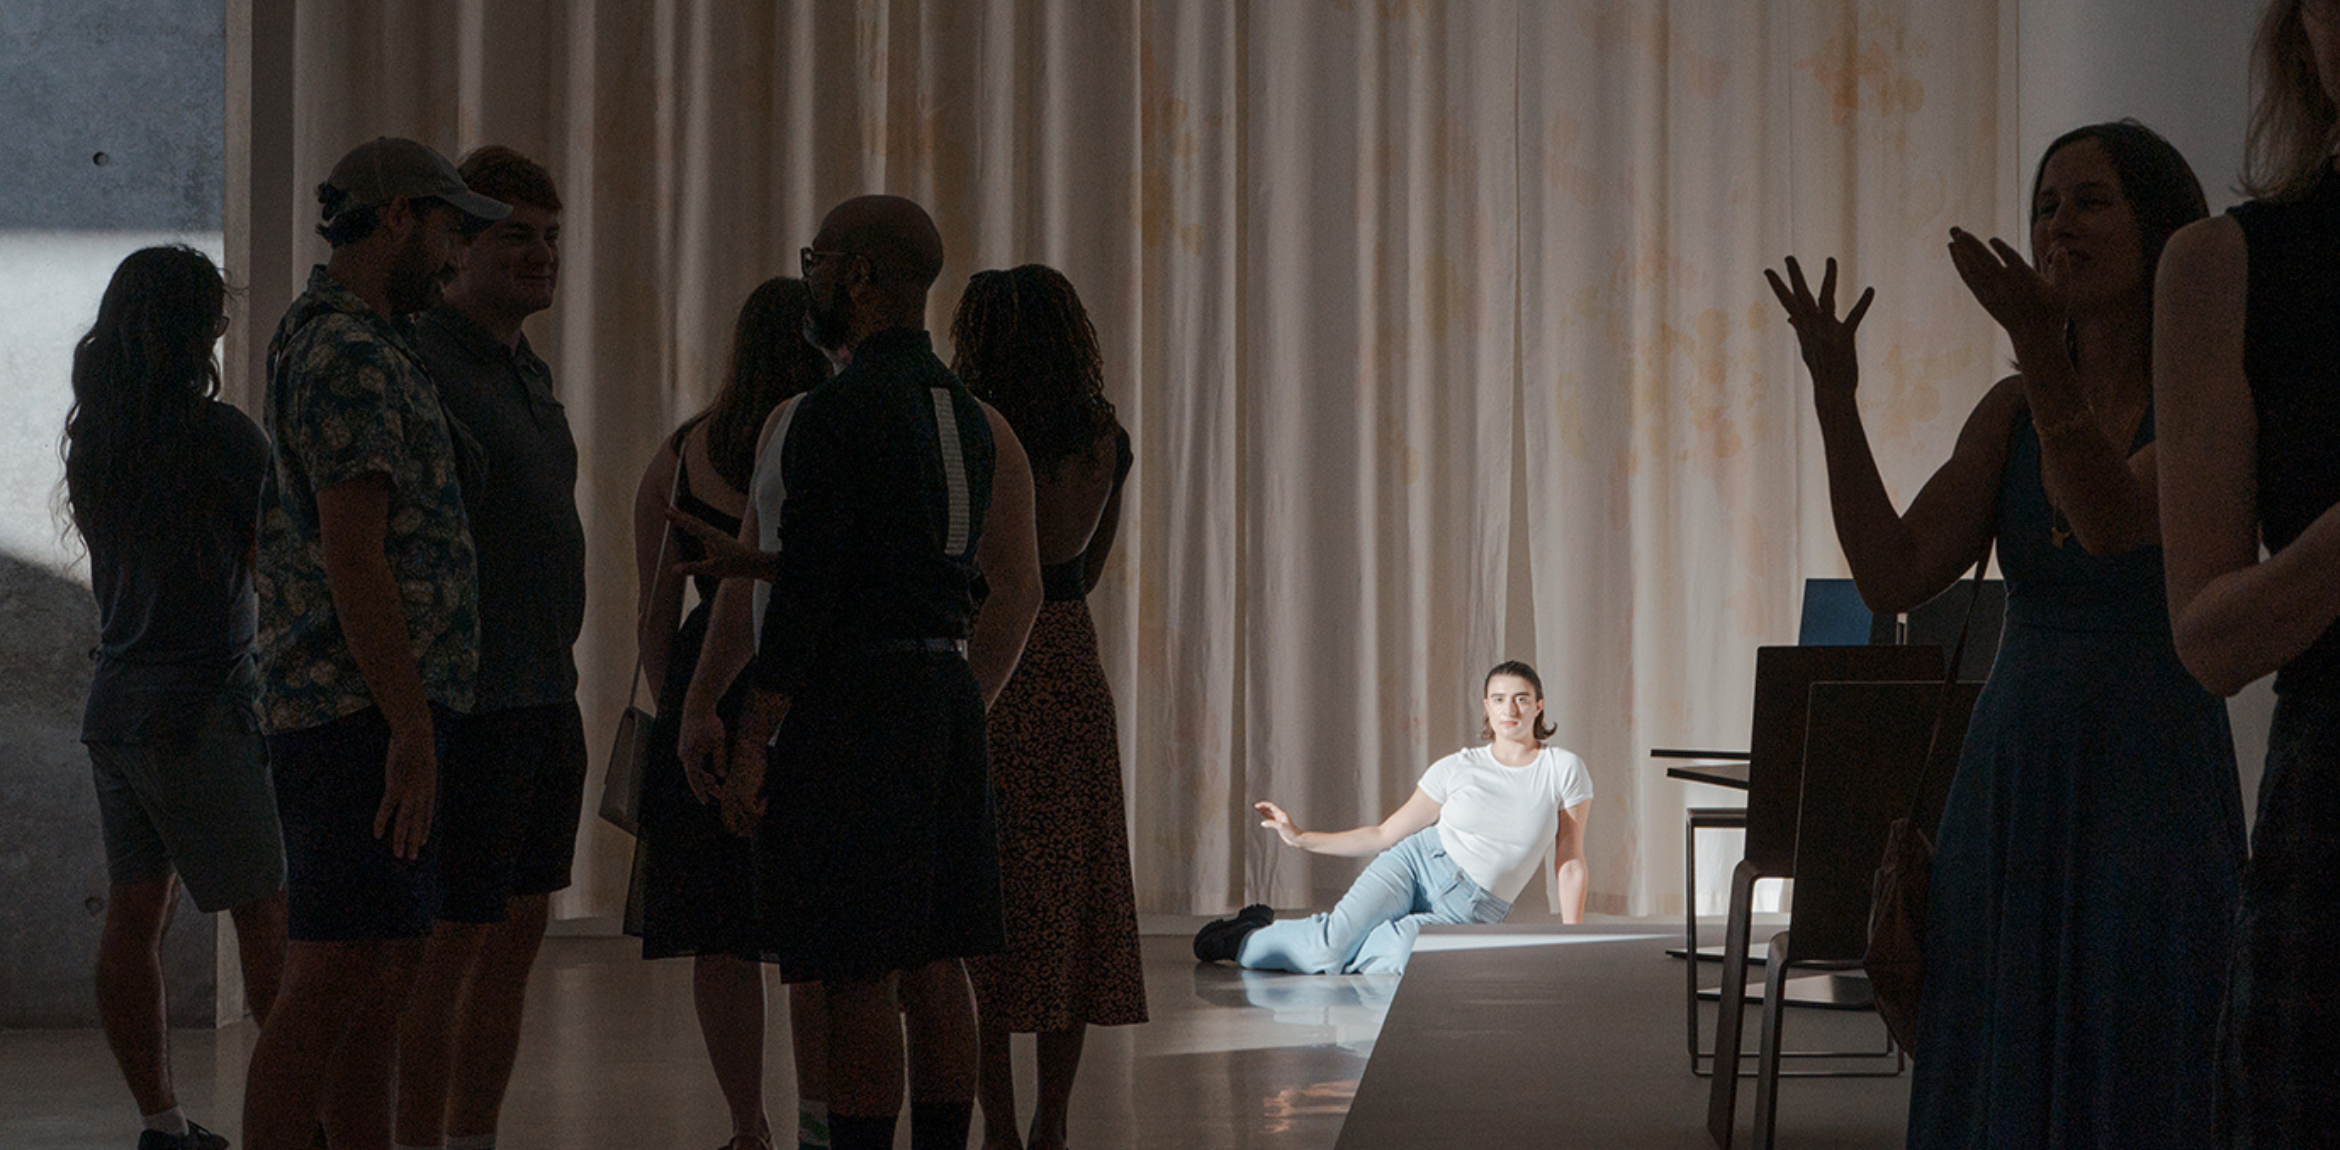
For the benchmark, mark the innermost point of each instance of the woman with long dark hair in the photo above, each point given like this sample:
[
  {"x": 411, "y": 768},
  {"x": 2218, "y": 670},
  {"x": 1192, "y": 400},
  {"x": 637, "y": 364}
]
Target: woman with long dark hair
[
  {"x": 2246, "y": 369},
  {"x": 694, "y": 887},
  {"x": 2090, "y": 848},
  {"x": 163, "y": 485},
  {"x": 1025, "y": 345}
]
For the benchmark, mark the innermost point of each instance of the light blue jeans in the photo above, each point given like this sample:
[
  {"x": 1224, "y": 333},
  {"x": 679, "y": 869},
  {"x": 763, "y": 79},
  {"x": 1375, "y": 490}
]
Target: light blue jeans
[{"x": 1373, "y": 928}]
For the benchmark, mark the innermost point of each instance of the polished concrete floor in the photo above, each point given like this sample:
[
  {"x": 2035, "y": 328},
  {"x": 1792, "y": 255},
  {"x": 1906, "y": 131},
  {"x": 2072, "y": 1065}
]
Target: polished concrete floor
[{"x": 611, "y": 1057}]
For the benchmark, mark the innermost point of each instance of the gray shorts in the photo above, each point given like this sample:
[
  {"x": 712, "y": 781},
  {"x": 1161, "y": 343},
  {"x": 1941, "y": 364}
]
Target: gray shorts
[{"x": 205, "y": 807}]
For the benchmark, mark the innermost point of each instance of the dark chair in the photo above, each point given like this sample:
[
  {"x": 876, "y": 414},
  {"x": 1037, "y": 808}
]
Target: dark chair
[
  {"x": 1864, "y": 749},
  {"x": 1783, "y": 682}
]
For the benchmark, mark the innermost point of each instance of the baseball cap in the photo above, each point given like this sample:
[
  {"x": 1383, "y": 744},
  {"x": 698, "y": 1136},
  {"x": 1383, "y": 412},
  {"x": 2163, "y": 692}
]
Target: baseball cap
[{"x": 389, "y": 167}]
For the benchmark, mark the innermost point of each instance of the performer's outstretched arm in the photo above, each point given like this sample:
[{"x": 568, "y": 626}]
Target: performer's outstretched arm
[{"x": 1420, "y": 811}]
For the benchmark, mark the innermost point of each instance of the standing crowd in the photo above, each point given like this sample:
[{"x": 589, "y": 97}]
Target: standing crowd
[{"x": 335, "y": 694}]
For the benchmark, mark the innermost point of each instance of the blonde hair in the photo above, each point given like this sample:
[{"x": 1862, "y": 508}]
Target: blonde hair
[{"x": 2292, "y": 116}]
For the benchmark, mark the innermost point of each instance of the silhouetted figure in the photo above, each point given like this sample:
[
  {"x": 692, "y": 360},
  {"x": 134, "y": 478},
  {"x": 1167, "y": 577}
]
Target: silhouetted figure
[
  {"x": 1025, "y": 345},
  {"x": 369, "y": 638},
  {"x": 163, "y": 481},
  {"x": 514, "y": 775},
  {"x": 1483, "y": 821},
  {"x": 2246, "y": 368},
  {"x": 2087, "y": 859},
  {"x": 694, "y": 882},
  {"x": 876, "y": 499}
]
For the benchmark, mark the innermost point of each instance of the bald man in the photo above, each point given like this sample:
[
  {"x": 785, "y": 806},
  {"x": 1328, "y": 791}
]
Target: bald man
[{"x": 877, "y": 498}]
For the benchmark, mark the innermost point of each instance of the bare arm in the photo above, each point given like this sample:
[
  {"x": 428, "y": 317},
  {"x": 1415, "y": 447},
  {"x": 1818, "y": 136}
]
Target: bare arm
[
  {"x": 1899, "y": 560},
  {"x": 658, "y": 601},
  {"x": 1568, "y": 861},
  {"x": 1010, "y": 558},
  {"x": 2235, "y": 618},
  {"x": 730, "y": 643},
  {"x": 352, "y": 523},
  {"x": 1361, "y": 842},
  {"x": 2106, "y": 494}
]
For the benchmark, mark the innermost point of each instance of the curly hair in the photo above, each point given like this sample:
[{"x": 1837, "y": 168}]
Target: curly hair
[
  {"x": 770, "y": 362},
  {"x": 142, "y": 376},
  {"x": 501, "y": 173},
  {"x": 1023, "y": 343}
]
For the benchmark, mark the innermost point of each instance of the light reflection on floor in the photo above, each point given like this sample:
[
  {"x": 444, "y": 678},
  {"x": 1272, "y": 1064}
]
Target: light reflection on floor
[{"x": 1233, "y": 1060}]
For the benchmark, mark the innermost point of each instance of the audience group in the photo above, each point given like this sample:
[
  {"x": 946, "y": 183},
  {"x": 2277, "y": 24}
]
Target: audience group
[{"x": 335, "y": 693}]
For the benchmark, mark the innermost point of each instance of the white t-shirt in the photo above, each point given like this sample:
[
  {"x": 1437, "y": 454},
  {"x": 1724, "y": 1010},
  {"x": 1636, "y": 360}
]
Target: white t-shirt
[{"x": 1497, "y": 822}]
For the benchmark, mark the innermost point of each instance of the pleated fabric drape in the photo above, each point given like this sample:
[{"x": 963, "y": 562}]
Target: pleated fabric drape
[{"x": 1440, "y": 328}]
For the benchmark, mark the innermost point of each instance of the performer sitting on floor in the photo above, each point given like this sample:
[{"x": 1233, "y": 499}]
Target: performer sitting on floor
[{"x": 1458, "y": 852}]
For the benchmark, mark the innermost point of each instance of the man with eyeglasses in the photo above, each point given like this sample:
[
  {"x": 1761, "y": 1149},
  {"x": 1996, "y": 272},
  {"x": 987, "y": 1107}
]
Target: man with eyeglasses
[{"x": 877, "y": 499}]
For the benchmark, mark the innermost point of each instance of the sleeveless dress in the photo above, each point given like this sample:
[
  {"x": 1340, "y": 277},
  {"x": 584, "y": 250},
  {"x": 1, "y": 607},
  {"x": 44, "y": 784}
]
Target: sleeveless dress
[
  {"x": 1072, "y": 954},
  {"x": 2087, "y": 863},
  {"x": 2279, "y": 1047},
  {"x": 693, "y": 889}
]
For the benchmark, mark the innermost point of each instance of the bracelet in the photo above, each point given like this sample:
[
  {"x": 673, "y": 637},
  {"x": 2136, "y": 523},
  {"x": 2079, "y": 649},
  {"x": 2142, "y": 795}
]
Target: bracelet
[{"x": 2080, "y": 420}]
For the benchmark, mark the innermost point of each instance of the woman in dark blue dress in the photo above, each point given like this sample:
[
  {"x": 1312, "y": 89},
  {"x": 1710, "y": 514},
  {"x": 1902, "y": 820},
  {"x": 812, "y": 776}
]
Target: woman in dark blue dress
[
  {"x": 2246, "y": 371},
  {"x": 2087, "y": 861}
]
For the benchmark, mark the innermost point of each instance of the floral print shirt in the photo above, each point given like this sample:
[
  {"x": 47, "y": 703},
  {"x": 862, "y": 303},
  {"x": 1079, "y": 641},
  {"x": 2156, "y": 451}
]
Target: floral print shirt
[{"x": 348, "y": 398}]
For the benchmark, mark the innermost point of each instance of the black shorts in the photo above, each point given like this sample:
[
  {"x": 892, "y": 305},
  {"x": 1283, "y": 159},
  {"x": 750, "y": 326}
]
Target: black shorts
[
  {"x": 879, "y": 851},
  {"x": 509, "y": 793},
  {"x": 342, "y": 884}
]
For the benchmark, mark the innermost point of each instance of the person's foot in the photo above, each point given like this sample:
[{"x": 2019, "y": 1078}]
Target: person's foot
[
  {"x": 1220, "y": 939},
  {"x": 196, "y": 1138}
]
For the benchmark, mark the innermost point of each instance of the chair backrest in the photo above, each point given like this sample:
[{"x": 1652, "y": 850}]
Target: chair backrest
[
  {"x": 1775, "y": 745},
  {"x": 1834, "y": 615},
  {"x": 1863, "y": 751},
  {"x": 1936, "y": 621}
]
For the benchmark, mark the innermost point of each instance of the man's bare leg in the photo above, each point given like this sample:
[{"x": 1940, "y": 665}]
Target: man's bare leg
[
  {"x": 487, "y": 1030},
  {"x": 426, "y": 1031},
  {"x": 316, "y": 1055}
]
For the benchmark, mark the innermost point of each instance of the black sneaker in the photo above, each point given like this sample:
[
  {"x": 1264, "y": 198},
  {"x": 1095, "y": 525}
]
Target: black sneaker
[
  {"x": 1220, "y": 939},
  {"x": 196, "y": 1138}
]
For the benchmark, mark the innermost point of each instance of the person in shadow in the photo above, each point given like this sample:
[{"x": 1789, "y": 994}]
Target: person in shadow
[
  {"x": 162, "y": 481},
  {"x": 2087, "y": 858}
]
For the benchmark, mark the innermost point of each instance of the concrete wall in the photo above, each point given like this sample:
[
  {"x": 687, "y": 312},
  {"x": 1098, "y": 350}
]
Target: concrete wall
[{"x": 114, "y": 140}]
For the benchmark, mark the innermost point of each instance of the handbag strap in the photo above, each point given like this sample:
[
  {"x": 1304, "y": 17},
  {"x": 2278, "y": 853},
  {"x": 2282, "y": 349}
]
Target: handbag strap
[
  {"x": 658, "y": 568},
  {"x": 1949, "y": 680}
]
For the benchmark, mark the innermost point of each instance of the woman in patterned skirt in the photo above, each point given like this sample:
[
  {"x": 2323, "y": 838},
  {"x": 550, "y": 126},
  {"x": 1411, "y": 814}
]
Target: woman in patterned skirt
[{"x": 1025, "y": 346}]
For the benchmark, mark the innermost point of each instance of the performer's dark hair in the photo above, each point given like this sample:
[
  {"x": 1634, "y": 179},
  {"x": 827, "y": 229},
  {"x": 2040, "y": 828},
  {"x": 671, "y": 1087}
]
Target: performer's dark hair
[{"x": 1513, "y": 667}]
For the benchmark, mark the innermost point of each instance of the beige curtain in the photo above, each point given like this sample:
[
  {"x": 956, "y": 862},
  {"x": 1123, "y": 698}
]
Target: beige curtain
[{"x": 1440, "y": 328}]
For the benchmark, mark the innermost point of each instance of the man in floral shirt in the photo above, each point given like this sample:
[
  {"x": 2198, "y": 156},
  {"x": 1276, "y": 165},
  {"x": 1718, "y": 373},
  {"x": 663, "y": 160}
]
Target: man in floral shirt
[{"x": 368, "y": 637}]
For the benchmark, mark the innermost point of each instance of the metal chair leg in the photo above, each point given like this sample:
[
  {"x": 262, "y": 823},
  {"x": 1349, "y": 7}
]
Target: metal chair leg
[
  {"x": 1722, "y": 1097},
  {"x": 1774, "y": 1012}
]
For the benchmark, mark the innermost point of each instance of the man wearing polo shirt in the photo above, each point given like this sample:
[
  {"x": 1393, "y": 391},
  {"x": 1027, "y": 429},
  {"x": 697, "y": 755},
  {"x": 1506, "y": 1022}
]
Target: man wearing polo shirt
[
  {"x": 368, "y": 638},
  {"x": 514, "y": 776}
]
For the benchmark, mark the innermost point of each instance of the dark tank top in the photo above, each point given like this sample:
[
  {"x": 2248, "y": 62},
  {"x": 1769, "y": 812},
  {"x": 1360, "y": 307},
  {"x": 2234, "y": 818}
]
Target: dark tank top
[
  {"x": 2291, "y": 353},
  {"x": 687, "y": 548}
]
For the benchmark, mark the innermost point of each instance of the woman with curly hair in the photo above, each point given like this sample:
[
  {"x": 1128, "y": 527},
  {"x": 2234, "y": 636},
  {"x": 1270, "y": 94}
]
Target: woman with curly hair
[{"x": 1025, "y": 346}]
